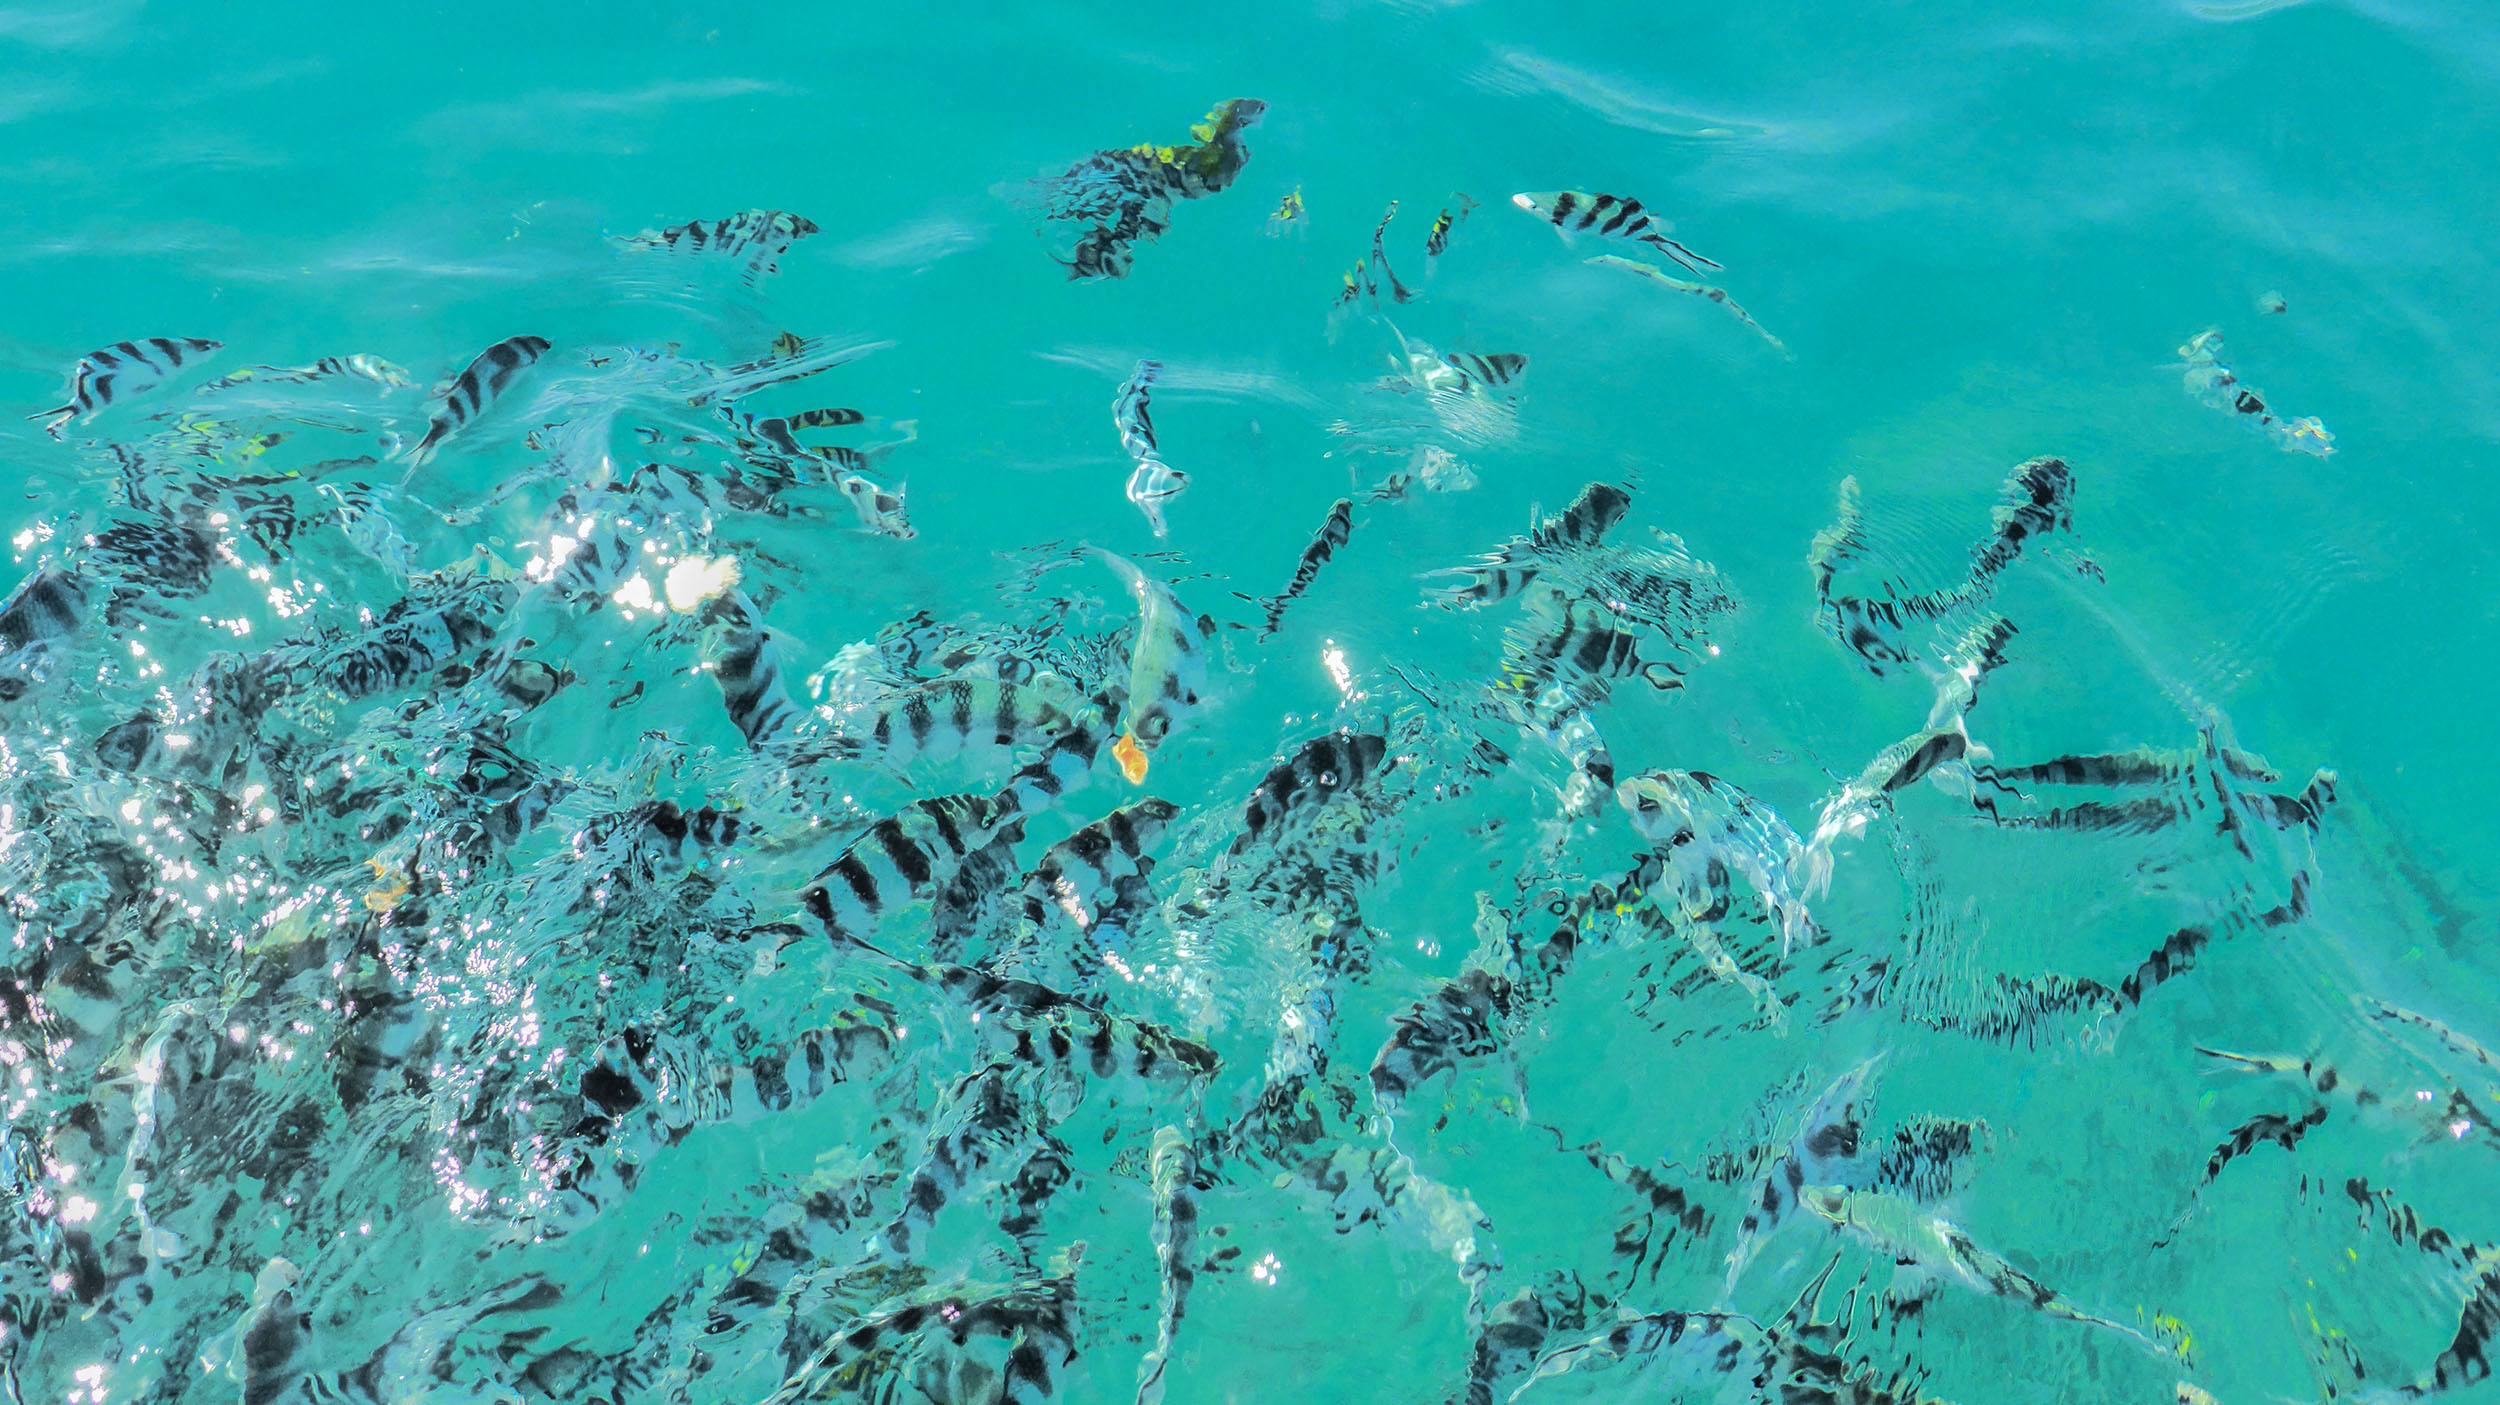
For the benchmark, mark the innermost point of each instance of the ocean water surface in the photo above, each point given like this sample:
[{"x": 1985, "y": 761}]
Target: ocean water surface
[{"x": 1423, "y": 702}]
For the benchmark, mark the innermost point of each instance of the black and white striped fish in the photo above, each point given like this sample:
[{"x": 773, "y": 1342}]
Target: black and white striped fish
[
  {"x": 745, "y": 660},
  {"x": 476, "y": 388},
  {"x": 1152, "y": 483},
  {"x": 1323, "y": 768},
  {"x": 124, "y": 368},
  {"x": 1096, "y": 870},
  {"x": 1333, "y": 534},
  {"x": 1172, "y": 1175},
  {"x": 1461, "y": 373},
  {"x": 902, "y": 859},
  {"x": 1574, "y": 643},
  {"x": 2038, "y": 498},
  {"x": 1513, "y": 566},
  {"x": 46, "y": 606},
  {"x": 759, "y": 237},
  {"x": 1359, "y": 282},
  {"x": 1607, "y": 216},
  {"x": 983, "y": 721}
]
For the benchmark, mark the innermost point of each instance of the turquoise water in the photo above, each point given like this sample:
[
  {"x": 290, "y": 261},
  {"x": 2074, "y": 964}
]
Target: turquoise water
[{"x": 298, "y": 1008}]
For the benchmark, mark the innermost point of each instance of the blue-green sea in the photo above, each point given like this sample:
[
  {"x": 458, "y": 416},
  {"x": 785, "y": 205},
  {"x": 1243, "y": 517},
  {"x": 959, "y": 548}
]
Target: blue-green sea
[{"x": 1421, "y": 702}]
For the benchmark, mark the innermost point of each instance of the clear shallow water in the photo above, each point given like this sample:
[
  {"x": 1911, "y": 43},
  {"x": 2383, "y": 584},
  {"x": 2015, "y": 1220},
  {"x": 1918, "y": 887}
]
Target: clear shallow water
[{"x": 1981, "y": 236}]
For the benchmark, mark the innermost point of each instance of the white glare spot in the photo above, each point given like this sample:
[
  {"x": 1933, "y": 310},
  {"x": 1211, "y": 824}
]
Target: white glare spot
[{"x": 697, "y": 579}]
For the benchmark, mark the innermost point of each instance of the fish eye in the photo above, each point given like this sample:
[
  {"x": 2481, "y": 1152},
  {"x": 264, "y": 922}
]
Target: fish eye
[
  {"x": 1682, "y": 837},
  {"x": 1648, "y": 804}
]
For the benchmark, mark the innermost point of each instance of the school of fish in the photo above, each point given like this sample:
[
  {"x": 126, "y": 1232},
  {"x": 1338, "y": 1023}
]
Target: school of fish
[{"x": 941, "y": 1015}]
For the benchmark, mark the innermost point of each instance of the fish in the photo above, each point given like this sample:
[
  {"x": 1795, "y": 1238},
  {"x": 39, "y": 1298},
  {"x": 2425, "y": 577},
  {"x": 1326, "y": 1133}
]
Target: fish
[
  {"x": 1700, "y": 290},
  {"x": 1708, "y": 830},
  {"x": 359, "y": 365},
  {"x": 903, "y": 859},
  {"x": 124, "y": 368},
  {"x": 1124, "y": 197},
  {"x": 1334, "y": 532},
  {"x": 270, "y": 1341},
  {"x": 2037, "y": 499},
  {"x": 1320, "y": 770},
  {"x": 1438, "y": 242},
  {"x": 1896, "y": 1227},
  {"x": 744, "y": 658},
  {"x": 1359, "y": 281},
  {"x": 1089, "y": 874},
  {"x": 757, "y": 237},
  {"x": 1828, "y": 1148},
  {"x": 878, "y": 508},
  {"x": 1608, "y": 216},
  {"x": 1289, "y": 215},
  {"x": 475, "y": 388},
  {"x": 981, "y": 720},
  {"x": 48, "y": 605},
  {"x": 1152, "y": 483},
  {"x": 1172, "y": 1174},
  {"x": 1167, "y": 666},
  {"x": 2212, "y": 381},
  {"x": 1511, "y": 568}
]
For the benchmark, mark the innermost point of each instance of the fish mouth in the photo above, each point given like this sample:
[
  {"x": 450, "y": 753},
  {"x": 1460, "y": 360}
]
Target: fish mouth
[
  {"x": 1525, "y": 202},
  {"x": 1131, "y": 756}
]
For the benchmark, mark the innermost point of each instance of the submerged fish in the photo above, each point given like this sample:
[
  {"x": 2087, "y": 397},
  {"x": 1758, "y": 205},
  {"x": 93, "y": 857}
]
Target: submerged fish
[
  {"x": 1607, "y": 216},
  {"x": 1152, "y": 483},
  {"x": 1167, "y": 665},
  {"x": 124, "y": 368},
  {"x": 757, "y": 237},
  {"x": 476, "y": 388}
]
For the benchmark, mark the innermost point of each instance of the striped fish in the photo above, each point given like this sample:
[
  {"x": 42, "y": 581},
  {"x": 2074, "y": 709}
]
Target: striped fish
[
  {"x": 1459, "y": 373},
  {"x": 1513, "y": 566},
  {"x": 983, "y": 721},
  {"x": 1912, "y": 1235},
  {"x": 1323, "y": 768},
  {"x": 1172, "y": 1175},
  {"x": 1827, "y": 1150},
  {"x": 45, "y": 606},
  {"x": 1333, "y": 533},
  {"x": 1359, "y": 282},
  {"x": 1152, "y": 483},
  {"x": 1096, "y": 870},
  {"x": 879, "y": 509},
  {"x": 1612, "y": 217},
  {"x": 476, "y": 388},
  {"x": 903, "y": 859},
  {"x": 759, "y": 237},
  {"x": 1125, "y": 197},
  {"x": 269, "y": 1343},
  {"x": 1167, "y": 665},
  {"x": 746, "y": 662},
  {"x": 1709, "y": 830},
  {"x": 1572, "y": 641},
  {"x": 1035, "y": 1325},
  {"x": 1439, "y": 240},
  {"x": 359, "y": 365},
  {"x": 124, "y": 368},
  {"x": 640, "y": 1094}
]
